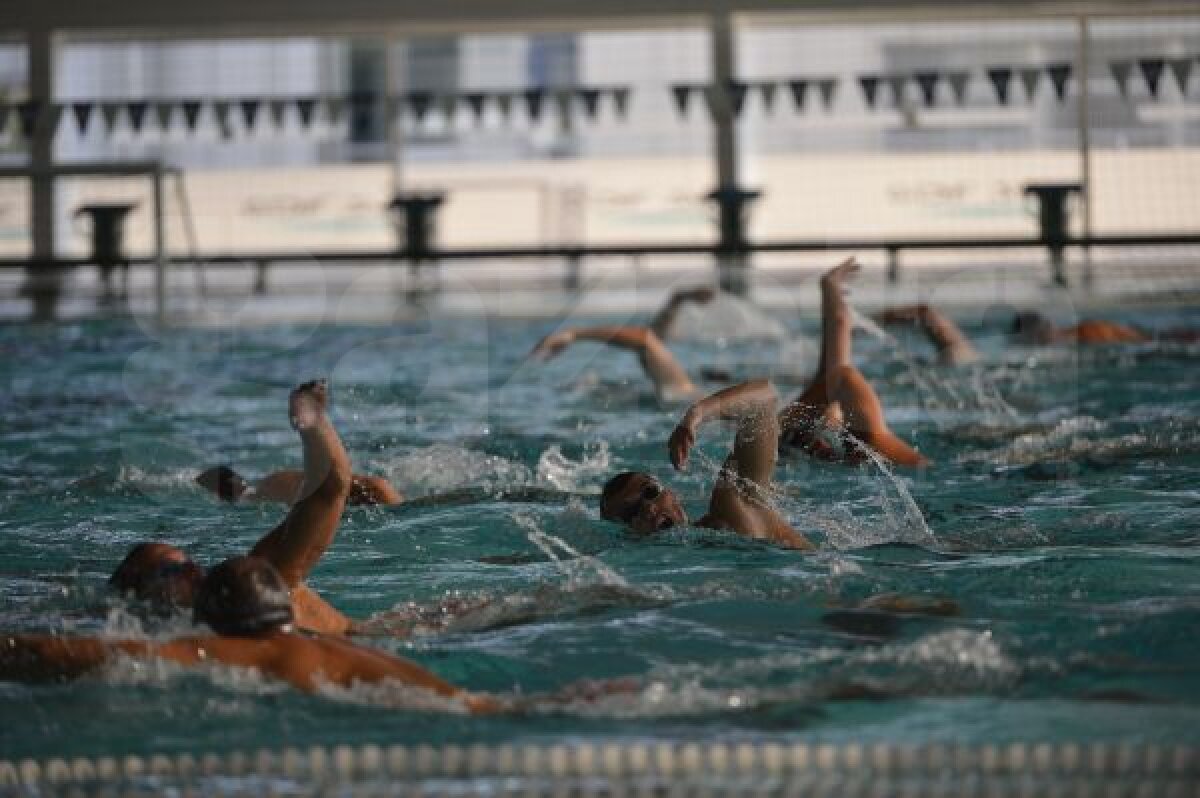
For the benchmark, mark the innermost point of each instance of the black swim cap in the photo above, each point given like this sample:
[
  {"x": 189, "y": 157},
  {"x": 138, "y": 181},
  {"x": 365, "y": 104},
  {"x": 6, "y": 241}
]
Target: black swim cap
[
  {"x": 244, "y": 597},
  {"x": 223, "y": 481}
]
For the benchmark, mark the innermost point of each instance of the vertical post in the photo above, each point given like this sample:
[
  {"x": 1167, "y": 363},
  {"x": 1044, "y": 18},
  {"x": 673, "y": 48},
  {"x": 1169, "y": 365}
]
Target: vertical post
[
  {"x": 722, "y": 108},
  {"x": 1085, "y": 144},
  {"x": 43, "y": 282},
  {"x": 160, "y": 248}
]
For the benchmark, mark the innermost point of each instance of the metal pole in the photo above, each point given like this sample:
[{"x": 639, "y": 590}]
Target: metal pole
[
  {"x": 160, "y": 254},
  {"x": 722, "y": 109},
  {"x": 1085, "y": 144}
]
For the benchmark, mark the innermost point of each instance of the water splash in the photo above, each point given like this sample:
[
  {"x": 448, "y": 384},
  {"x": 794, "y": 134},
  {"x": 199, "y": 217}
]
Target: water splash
[
  {"x": 578, "y": 568},
  {"x": 443, "y": 467},
  {"x": 559, "y": 471}
]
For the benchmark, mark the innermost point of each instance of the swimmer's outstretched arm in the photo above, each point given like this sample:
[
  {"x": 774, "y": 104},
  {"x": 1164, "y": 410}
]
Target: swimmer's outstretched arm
[
  {"x": 666, "y": 316},
  {"x": 296, "y": 545},
  {"x": 740, "y": 499},
  {"x": 953, "y": 346},
  {"x": 839, "y": 394},
  {"x": 306, "y": 663},
  {"x": 660, "y": 365},
  {"x": 837, "y": 325}
]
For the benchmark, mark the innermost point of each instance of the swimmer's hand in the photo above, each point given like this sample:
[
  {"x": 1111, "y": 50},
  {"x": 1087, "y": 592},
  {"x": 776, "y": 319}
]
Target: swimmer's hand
[
  {"x": 553, "y": 344},
  {"x": 681, "y": 443},
  {"x": 847, "y": 268},
  {"x": 307, "y": 403}
]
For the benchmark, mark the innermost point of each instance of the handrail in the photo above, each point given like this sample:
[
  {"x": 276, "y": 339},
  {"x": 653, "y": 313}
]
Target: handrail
[{"x": 635, "y": 249}]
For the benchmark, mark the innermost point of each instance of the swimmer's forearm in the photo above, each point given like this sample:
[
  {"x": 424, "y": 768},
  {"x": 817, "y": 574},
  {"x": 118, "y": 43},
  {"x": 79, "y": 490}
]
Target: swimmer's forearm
[
  {"x": 326, "y": 463},
  {"x": 746, "y": 400},
  {"x": 625, "y": 337}
]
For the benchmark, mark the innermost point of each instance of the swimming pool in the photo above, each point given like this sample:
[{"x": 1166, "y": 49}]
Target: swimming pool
[{"x": 1062, "y": 514}]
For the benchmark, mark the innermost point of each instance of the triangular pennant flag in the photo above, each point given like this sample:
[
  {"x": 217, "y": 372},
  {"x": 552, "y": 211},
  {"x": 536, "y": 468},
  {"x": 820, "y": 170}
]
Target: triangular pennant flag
[
  {"x": 109, "y": 113},
  {"x": 419, "y": 103},
  {"x": 1029, "y": 79},
  {"x": 277, "y": 108},
  {"x": 5, "y": 112},
  {"x": 137, "y": 114},
  {"x": 1181, "y": 68},
  {"x": 620, "y": 97},
  {"x": 1000, "y": 78},
  {"x": 799, "y": 89},
  {"x": 766, "y": 91},
  {"x": 191, "y": 113},
  {"x": 162, "y": 114},
  {"x": 1121, "y": 71},
  {"x": 827, "y": 88},
  {"x": 927, "y": 83},
  {"x": 683, "y": 95},
  {"x": 591, "y": 102},
  {"x": 476, "y": 101},
  {"x": 249, "y": 108},
  {"x": 870, "y": 89},
  {"x": 896, "y": 84},
  {"x": 1059, "y": 74},
  {"x": 83, "y": 115},
  {"x": 221, "y": 114},
  {"x": 335, "y": 109},
  {"x": 28, "y": 114},
  {"x": 503, "y": 100},
  {"x": 958, "y": 85},
  {"x": 737, "y": 96},
  {"x": 1152, "y": 69},
  {"x": 533, "y": 102},
  {"x": 305, "y": 110}
]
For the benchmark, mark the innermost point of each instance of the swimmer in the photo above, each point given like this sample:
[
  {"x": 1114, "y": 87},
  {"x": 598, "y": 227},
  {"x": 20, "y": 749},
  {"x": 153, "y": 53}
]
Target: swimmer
[
  {"x": 284, "y": 486},
  {"x": 740, "y": 499},
  {"x": 671, "y": 380},
  {"x": 839, "y": 399},
  {"x": 953, "y": 347},
  {"x": 1028, "y": 328},
  {"x": 1034, "y": 328},
  {"x": 166, "y": 576},
  {"x": 247, "y": 604}
]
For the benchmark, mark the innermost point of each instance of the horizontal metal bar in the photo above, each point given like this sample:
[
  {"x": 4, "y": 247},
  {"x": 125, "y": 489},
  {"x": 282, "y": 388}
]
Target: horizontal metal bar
[{"x": 617, "y": 250}]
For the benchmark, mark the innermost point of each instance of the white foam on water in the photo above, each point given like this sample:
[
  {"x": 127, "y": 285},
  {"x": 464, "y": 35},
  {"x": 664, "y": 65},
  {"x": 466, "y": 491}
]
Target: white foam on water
[
  {"x": 443, "y": 467},
  {"x": 725, "y": 318},
  {"x": 559, "y": 471},
  {"x": 946, "y": 662},
  {"x": 579, "y": 569}
]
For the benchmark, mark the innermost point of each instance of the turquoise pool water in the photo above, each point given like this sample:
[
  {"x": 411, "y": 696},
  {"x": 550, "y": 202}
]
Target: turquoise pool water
[{"x": 1062, "y": 514}]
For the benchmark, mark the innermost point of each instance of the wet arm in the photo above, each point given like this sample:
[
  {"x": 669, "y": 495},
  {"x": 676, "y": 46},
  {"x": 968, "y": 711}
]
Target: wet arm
[
  {"x": 951, "y": 344},
  {"x": 753, "y": 405},
  {"x": 47, "y": 658},
  {"x": 666, "y": 316},
  {"x": 298, "y": 542},
  {"x": 660, "y": 365}
]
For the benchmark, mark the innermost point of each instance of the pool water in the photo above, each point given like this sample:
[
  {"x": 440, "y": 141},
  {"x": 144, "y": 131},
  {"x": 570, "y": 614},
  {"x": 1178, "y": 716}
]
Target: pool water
[{"x": 1062, "y": 515}]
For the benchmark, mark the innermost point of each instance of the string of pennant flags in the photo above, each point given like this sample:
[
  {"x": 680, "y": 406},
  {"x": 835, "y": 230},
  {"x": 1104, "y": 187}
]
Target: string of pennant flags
[
  {"x": 165, "y": 115},
  {"x": 931, "y": 87}
]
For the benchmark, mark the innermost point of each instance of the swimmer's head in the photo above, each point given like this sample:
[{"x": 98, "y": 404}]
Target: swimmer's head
[
  {"x": 222, "y": 480},
  {"x": 641, "y": 502},
  {"x": 158, "y": 573},
  {"x": 1032, "y": 327},
  {"x": 244, "y": 597},
  {"x": 307, "y": 403}
]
